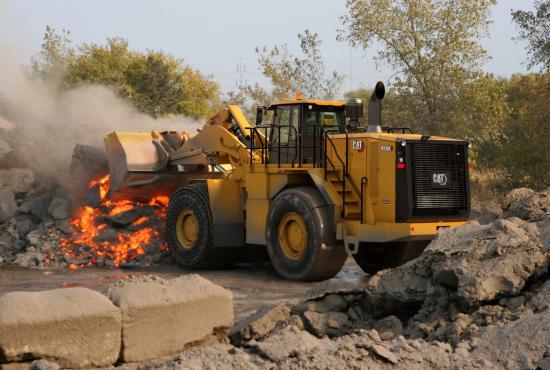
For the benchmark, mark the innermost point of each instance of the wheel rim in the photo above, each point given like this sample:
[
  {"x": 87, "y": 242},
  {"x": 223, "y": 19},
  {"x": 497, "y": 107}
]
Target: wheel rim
[
  {"x": 187, "y": 228},
  {"x": 293, "y": 236}
]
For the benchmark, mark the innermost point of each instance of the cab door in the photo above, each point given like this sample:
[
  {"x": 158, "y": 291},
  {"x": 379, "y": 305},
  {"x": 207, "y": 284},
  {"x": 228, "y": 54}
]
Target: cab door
[
  {"x": 316, "y": 122},
  {"x": 284, "y": 135}
]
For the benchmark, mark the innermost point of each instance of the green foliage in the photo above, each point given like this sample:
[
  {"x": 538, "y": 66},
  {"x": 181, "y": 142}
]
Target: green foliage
[
  {"x": 155, "y": 82},
  {"x": 289, "y": 74},
  {"x": 100, "y": 64},
  {"x": 434, "y": 46},
  {"x": 526, "y": 155},
  {"x": 51, "y": 63},
  {"x": 534, "y": 27}
]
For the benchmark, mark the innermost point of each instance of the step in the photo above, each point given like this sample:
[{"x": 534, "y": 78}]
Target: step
[
  {"x": 348, "y": 191},
  {"x": 352, "y": 216},
  {"x": 334, "y": 176},
  {"x": 336, "y": 182},
  {"x": 353, "y": 211},
  {"x": 349, "y": 202}
]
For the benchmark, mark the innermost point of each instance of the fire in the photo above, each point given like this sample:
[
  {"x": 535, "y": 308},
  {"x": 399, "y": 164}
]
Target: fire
[{"x": 95, "y": 241}]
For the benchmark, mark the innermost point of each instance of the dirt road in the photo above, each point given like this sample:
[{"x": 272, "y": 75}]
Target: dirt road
[{"x": 252, "y": 285}]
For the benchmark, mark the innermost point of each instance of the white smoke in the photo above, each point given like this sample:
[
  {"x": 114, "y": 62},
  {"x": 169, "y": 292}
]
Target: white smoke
[{"x": 42, "y": 125}]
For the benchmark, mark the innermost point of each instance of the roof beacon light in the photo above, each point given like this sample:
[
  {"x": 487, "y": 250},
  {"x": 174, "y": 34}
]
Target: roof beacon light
[{"x": 298, "y": 95}]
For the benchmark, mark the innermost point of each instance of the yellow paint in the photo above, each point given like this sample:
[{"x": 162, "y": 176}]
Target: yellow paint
[
  {"x": 384, "y": 164},
  {"x": 243, "y": 123},
  {"x": 187, "y": 228},
  {"x": 226, "y": 201},
  {"x": 387, "y": 231},
  {"x": 256, "y": 214},
  {"x": 293, "y": 236},
  {"x": 316, "y": 102}
]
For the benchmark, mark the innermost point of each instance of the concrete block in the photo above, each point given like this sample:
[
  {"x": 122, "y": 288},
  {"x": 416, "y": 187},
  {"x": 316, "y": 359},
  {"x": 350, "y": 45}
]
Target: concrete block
[
  {"x": 75, "y": 327},
  {"x": 163, "y": 317}
]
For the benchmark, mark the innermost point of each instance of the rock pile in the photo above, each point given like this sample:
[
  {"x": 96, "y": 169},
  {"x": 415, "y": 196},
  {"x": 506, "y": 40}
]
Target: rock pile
[
  {"x": 479, "y": 297},
  {"x": 41, "y": 221}
]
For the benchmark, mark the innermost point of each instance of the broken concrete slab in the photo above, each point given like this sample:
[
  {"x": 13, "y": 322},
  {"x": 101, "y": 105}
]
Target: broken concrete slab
[
  {"x": 485, "y": 212},
  {"x": 17, "y": 180},
  {"x": 126, "y": 218},
  {"x": 332, "y": 302},
  {"x": 516, "y": 195},
  {"x": 384, "y": 353},
  {"x": 389, "y": 327},
  {"x": 8, "y": 205},
  {"x": 88, "y": 162},
  {"x": 327, "y": 324},
  {"x": 59, "y": 208},
  {"x": 530, "y": 206},
  {"x": 486, "y": 262},
  {"x": 261, "y": 323},
  {"x": 75, "y": 327},
  {"x": 212, "y": 357},
  {"x": 43, "y": 365},
  {"x": 4, "y": 148},
  {"x": 162, "y": 317},
  {"x": 284, "y": 343},
  {"x": 518, "y": 345}
]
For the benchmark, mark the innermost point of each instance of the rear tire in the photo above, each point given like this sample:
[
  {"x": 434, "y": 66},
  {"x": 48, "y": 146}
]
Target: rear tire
[
  {"x": 300, "y": 236},
  {"x": 373, "y": 257},
  {"x": 189, "y": 232}
]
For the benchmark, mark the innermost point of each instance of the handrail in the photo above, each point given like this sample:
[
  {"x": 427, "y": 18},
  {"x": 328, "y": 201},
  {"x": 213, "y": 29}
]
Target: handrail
[
  {"x": 265, "y": 148},
  {"x": 364, "y": 180},
  {"x": 335, "y": 161},
  {"x": 344, "y": 168},
  {"x": 391, "y": 130}
]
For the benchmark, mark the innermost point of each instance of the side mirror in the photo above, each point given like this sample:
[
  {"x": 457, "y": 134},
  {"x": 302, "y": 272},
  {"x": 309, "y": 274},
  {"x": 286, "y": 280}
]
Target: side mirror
[{"x": 259, "y": 115}]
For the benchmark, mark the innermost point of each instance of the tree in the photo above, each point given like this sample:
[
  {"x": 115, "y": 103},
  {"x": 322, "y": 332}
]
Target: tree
[
  {"x": 51, "y": 63},
  {"x": 100, "y": 64},
  {"x": 289, "y": 74},
  {"x": 432, "y": 44},
  {"x": 534, "y": 27},
  {"x": 152, "y": 83},
  {"x": 525, "y": 152},
  {"x": 478, "y": 114},
  {"x": 155, "y": 82}
]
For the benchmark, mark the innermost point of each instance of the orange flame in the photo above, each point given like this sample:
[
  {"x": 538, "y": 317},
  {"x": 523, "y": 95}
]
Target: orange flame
[{"x": 88, "y": 229}]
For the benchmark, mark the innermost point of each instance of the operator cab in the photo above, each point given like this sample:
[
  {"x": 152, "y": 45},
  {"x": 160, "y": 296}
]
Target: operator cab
[{"x": 298, "y": 127}]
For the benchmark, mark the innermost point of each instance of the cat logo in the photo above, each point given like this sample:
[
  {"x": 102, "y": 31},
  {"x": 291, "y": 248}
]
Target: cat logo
[
  {"x": 440, "y": 179},
  {"x": 358, "y": 145}
]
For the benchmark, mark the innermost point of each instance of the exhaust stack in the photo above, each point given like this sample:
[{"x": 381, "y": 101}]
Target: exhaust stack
[{"x": 375, "y": 108}]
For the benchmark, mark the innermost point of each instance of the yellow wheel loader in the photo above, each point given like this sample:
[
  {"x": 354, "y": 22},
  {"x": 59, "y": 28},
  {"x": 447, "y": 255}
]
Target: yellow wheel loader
[{"x": 312, "y": 186}]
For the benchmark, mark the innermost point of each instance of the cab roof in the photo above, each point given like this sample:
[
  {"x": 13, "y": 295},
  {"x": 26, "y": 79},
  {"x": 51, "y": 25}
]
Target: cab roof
[{"x": 333, "y": 103}]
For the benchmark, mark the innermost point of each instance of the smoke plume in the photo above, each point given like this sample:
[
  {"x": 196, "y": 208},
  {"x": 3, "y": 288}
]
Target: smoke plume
[{"x": 42, "y": 125}]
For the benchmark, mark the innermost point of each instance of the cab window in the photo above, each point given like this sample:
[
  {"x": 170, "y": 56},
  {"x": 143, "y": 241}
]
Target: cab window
[
  {"x": 327, "y": 118},
  {"x": 287, "y": 118}
]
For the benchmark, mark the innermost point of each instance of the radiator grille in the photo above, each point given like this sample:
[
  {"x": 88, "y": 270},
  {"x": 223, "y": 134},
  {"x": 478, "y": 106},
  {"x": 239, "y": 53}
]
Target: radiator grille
[{"x": 439, "y": 157}]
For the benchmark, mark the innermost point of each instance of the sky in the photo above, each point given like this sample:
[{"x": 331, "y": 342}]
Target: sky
[{"x": 219, "y": 37}]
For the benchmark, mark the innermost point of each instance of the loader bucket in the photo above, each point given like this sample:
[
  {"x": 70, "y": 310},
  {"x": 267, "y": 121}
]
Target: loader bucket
[
  {"x": 138, "y": 164},
  {"x": 133, "y": 159}
]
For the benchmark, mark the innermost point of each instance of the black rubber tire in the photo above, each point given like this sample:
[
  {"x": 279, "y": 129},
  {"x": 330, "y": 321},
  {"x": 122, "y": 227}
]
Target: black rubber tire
[
  {"x": 203, "y": 255},
  {"x": 373, "y": 257},
  {"x": 324, "y": 255}
]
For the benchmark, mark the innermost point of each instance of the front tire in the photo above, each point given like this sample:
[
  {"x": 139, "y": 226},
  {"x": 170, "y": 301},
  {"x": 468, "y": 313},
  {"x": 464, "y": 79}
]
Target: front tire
[
  {"x": 189, "y": 231},
  {"x": 300, "y": 236}
]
